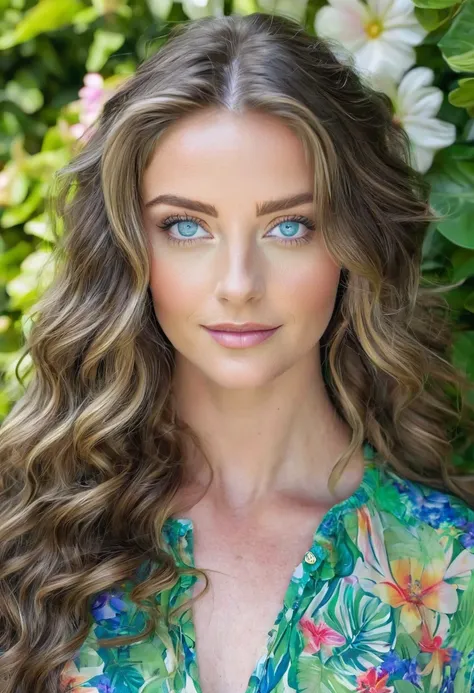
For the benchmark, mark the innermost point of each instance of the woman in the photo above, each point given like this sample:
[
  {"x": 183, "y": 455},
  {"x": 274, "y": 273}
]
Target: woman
[{"x": 231, "y": 470}]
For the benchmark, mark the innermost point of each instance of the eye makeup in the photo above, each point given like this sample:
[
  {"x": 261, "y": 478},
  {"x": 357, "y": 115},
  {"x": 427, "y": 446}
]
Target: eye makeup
[{"x": 175, "y": 218}]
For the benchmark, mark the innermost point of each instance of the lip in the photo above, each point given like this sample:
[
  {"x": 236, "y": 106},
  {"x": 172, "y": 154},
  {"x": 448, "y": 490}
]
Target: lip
[
  {"x": 242, "y": 338},
  {"x": 242, "y": 327}
]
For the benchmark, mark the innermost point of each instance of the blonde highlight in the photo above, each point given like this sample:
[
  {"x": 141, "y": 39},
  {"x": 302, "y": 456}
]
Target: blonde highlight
[{"x": 92, "y": 455}]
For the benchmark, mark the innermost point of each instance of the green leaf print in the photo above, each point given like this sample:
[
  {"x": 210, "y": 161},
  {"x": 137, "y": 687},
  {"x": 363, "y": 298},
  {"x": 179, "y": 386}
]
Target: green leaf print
[
  {"x": 405, "y": 687},
  {"x": 125, "y": 679},
  {"x": 152, "y": 657},
  {"x": 366, "y": 624},
  {"x": 347, "y": 553},
  {"x": 462, "y": 623},
  {"x": 155, "y": 686},
  {"x": 312, "y": 677}
]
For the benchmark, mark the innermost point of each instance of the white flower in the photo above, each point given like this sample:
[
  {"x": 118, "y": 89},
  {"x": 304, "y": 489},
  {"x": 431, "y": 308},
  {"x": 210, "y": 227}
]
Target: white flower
[
  {"x": 379, "y": 34},
  {"x": 195, "y": 9},
  {"x": 416, "y": 102}
]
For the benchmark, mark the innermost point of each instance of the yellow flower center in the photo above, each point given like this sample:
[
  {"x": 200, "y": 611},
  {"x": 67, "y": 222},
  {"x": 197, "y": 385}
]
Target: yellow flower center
[
  {"x": 374, "y": 28},
  {"x": 414, "y": 590}
]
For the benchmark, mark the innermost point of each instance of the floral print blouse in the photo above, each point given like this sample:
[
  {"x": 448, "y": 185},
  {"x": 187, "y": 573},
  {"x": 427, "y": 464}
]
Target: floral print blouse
[{"x": 382, "y": 602}]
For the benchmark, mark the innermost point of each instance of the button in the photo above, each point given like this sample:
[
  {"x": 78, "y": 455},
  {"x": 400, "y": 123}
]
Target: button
[{"x": 310, "y": 557}]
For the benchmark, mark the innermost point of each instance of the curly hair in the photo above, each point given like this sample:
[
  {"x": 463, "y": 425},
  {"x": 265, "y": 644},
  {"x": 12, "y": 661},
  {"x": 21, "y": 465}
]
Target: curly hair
[{"x": 92, "y": 454}]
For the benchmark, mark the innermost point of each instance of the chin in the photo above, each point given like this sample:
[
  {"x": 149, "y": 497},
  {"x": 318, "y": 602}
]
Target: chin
[{"x": 243, "y": 376}]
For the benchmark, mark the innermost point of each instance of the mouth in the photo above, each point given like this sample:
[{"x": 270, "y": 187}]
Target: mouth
[
  {"x": 238, "y": 337},
  {"x": 242, "y": 327}
]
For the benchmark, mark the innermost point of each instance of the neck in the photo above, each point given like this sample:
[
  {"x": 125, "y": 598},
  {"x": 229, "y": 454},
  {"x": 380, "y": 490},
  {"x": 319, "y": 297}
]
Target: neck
[{"x": 280, "y": 439}]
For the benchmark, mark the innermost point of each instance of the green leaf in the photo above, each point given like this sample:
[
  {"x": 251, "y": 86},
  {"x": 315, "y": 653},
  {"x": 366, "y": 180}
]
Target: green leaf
[
  {"x": 311, "y": 676},
  {"x": 462, "y": 625},
  {"x": 463, "y": 96},
  {"x": 364, "y": 621},
  {"x": 435, "y": 4},
  {"x": 19, "y": 214},
  {"x": 462, "y": 261},
  {"x": 39, "y": 227},
  {"x": 308, "y": 673},
  {"x": 23, "y": 91},
  {"x": 463, "y": 271},
  {"x": 405, "y": 687},
  {"x": 457, "y": 45},
  {"x": 452, "y": 193},
  {"x": 45, "y": 15},
  {"x": 463, "y": 353},
  {"x": 469, "y": 302},
  {"x": 104, "y": 44},
  {"x": 431, "y": 19}
]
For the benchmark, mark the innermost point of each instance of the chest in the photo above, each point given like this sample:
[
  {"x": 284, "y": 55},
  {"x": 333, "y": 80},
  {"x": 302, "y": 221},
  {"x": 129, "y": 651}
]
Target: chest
[{"x": 233, "y": 618}]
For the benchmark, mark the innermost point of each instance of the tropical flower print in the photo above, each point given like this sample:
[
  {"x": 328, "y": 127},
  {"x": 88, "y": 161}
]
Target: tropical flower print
[
  {"x": 382, "y": 602},
  {"x": 415, "y": 584},
  {"x": 319, "y": 635},
  {"x": 373, "y": 682}
]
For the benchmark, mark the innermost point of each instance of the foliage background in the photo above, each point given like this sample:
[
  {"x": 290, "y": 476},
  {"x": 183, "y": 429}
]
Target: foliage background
[{"x": 50, "y": 48}]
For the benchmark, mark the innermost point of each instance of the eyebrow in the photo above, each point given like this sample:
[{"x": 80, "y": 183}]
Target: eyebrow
[{"x": 263, "y": 208}]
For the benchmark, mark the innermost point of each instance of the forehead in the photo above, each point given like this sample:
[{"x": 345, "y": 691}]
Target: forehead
[{"x": 252, "y": 153}]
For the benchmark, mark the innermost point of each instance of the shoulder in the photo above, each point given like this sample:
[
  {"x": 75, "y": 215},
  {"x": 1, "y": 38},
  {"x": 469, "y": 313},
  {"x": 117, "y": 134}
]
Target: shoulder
[
  {"x": 411, "y": 522},
  {"x": 420, "y": 508},
  {"x": 415, "y": 553}
]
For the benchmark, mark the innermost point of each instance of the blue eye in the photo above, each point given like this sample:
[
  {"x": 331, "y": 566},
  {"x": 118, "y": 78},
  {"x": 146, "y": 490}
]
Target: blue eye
[
  {"x": 289, "y": 228},
  {"x": 187, "y": 228}
]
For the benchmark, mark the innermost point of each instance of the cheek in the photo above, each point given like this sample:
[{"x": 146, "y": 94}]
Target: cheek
[
  {"x": 176, "y": 290},
  {"x": 311, "y": 291}
]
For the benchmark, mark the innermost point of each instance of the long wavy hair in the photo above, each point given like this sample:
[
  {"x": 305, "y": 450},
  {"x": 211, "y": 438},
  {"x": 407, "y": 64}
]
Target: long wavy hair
[{"x": 92, "y": 454}]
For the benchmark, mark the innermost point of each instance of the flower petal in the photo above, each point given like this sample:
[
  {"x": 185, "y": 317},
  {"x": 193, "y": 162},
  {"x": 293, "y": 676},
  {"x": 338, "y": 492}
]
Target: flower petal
[
  {"x": 402, "y": 572},
  {"x": 425, "y": 103},
  {"x": 422, "y": 158},
  {"x": 416, "y": 79},
  {"x": 429, "y": 133},
  {"x": 409, "y": 32},
  {"x": 399, "y": 11},
  {"x": 410, "y": 617},
  {"x": 343, "y": 21},
  {"x": 464, "y": 562},
  {"x": 332, "y": 637},
  {"x": 433, "y": 572},
  {"x": 442, "y": 598},
  {"x": 389, "y": 593},
  {"x": 380, "y": 56}
]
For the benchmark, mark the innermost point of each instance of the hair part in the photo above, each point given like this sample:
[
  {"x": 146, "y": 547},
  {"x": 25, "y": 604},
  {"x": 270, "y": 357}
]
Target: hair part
[{"x": 92, "y": 455}]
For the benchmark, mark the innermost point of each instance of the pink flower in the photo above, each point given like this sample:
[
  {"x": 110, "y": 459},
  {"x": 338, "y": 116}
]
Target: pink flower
[
  {"x": 319, "y": 635},
  {"x": 92, "y": 97},
  {"x": 372, "y": 682},
  {"x": 92, "y": 93},
  {"x": 439, "y": 655}
]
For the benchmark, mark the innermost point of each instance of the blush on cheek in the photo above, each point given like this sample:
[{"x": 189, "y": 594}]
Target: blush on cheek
[
  {"x": 176, "y": 294},
  {"x": 312, "y": 291}
]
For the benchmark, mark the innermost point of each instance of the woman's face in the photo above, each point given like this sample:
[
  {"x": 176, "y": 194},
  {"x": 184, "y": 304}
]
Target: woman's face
[{"x": 231, "y": 261}]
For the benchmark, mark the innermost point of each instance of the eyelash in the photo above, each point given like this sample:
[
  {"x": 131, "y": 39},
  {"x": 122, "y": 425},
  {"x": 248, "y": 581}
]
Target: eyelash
[{"x": 171, "y": 220}]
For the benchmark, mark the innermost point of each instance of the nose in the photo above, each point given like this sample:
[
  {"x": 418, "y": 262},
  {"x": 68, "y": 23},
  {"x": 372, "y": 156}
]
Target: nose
[{"x": 240, "y": 271}]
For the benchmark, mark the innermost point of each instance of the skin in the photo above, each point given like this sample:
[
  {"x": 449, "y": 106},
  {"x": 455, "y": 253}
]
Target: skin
[{"x": 262, "y": 413}]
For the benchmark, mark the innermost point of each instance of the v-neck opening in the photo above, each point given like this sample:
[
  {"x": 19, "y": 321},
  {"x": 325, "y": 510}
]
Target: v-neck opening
[{"x": 183, "y": 529}]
